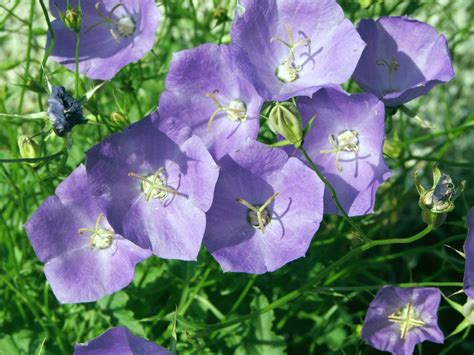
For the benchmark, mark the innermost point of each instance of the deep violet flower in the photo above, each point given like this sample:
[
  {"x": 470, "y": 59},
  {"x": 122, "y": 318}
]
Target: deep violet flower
[
  {"x": 346, "y": 143},
  {"x": 155, "y": 189},
  {"x": 469, "y": 253},
  {"x": 64, "y": 111},
  {"x": 404, "y": 59},
  {"x": 399, "y": 318},
  {"x": 265, "y": 212},
  {"x": 85, "y": 259},
  {"x": 119, "y": 341},
  {"x": 297, "y": 46},
  {"x": 210, "y": 89},
  {"x": 113, "y": 34}
]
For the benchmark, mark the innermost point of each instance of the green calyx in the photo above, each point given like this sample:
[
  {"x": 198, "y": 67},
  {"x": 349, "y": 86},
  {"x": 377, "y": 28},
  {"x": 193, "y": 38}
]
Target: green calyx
[{"x": 285, "y": 119}]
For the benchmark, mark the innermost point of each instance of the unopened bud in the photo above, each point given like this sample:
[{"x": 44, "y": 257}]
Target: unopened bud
[
  {"x": 437, "y": 201},
  {"x": 72, "y": 20},
  {"x": 285, "y": 119},
  {"x": 119, "y": 120},
  {"x": 29, "y": 148}
]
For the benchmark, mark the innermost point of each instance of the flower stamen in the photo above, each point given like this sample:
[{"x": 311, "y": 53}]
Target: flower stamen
[
  {"x": 236, "y": 111},
  {"x": 98, "y": 238},
  {"x": 345, "y": 141},
  {"x": 155, "y": 186},
  {"x": 258, "y": 215},
  {"x": 288, "y": 71},
  {"x": 407, "y": 319},
  {"x": 391, "y": 66},
  {"x": 125, "y": 26}
]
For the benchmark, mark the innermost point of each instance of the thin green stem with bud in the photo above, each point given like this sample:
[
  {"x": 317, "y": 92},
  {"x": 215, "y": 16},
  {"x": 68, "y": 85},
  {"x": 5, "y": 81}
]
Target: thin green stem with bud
[{"x": 78, "y": 43}]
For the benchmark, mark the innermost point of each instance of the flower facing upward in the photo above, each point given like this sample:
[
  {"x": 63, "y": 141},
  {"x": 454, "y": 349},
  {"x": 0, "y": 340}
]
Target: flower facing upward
[
  {"x": 469, "y": 253},
  {"x": 404, "y": 59},
  {"x": 209, "y": 88},
  {"x": 113, "y": 33},
  {"x": 297, "y": 46},
  {"x": 64, "y": 111},
  {"x": 346, "y": 143},
  {"x": 265, "y": 211},
  {"x": 119, "y": 341},
  {"x": 400, "y": 318},
  {"x": 85, "y": 259},
  {"x": 155, "y": 190}
]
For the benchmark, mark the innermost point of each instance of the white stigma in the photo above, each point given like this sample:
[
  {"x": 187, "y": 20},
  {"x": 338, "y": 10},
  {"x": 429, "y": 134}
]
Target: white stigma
[
  {"x": 126, "y": 26},
  {"x": 98, "y": 238},
  {"x": 237, "y": 110},
  {"x": 346, "y": 141}
]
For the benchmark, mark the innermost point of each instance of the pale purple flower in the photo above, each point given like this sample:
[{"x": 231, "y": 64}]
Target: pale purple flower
[
  {"x": 297, "y": 46},
  {"x": 154, "y": 182},
  {"x": 469, "y": 253},
  {"x": 209, "y": 88},
  {"x": 267, "y": 208},
  {"x": 119, "y": 341},
  {"x": 114, "y": 33},
  {"x": 85, "y": 259},
  {"x": 399, "y": 318},
  {"x": 404, "y": 59},
  {"x": 346, "y": 143}
]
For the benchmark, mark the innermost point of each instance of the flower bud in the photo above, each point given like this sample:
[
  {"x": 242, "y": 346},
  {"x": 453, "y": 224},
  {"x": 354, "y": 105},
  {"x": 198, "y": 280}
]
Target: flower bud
[
  {"x": 437, "y": 201},
  {"x": 119, "y": 120},
  {"x": 285, "y": 119},
  {"x": 29, "y": 148},
  {"x": 73, "y": 19}
]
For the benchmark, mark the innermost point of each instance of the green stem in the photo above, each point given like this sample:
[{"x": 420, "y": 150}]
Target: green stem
[
  {"x": 356, "y": 228},
  {"x": 316, "y": 280},
  {"x": 28, "y": 54},
  {"x": 78, "y": 43}
]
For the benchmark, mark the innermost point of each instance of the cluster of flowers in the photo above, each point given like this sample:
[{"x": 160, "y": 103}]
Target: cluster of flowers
[{"x": 193, "y": 173}]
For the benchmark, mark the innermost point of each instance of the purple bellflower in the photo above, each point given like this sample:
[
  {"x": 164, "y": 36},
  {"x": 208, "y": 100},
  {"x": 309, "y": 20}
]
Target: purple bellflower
[
  {"x": 209, "y": 88},
  {"x": 262, "y": 216},
  {"x": 154, "y": 182},
  {"x": 64, "y": 111},
  {"x": 297, "y": 46},
  {"x": 113, "y": 33},
  {"x": 346, "y": 143},
  {"x": 85, "y": 259},
  {"x": 469, "y": 253},
  {"x": 400, "y": 318},
  {"x": 404, "y": 59},
  {"x": 119, "y": 341}
]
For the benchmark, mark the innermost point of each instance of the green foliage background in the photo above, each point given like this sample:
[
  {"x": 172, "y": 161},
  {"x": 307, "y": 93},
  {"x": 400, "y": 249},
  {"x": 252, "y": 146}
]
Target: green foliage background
[{"x": 194, "y": 306}]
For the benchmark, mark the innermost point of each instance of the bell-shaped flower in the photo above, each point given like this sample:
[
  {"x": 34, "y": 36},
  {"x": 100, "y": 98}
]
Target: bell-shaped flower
[
  {"x": 399, "y": 318},
  {"x": 404, "y": 59},
  {"x": 210, "y": 89},
  {"x": 113, "y": 33},
  {"x": 469, "y": 254},
  {"x": 154, "y": 182},
  {"x": 266, "y": 209},
  {"x": 85, "y": 259},
  {"x": 346, "y": 143},
  {"x": 297, "y": 46},
  {"x": 119, "y": 341}
]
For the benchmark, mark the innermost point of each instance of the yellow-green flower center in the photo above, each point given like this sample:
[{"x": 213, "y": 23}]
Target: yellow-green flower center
[
  {"x": 236, "y": 110},
  {"x": 98, "y": 238},
  {"x": 154, "y": 186},
  {"x": 258, "y": 215},
  {"x": 346, "y": 141},
  {"x": 407, "y": 318}
]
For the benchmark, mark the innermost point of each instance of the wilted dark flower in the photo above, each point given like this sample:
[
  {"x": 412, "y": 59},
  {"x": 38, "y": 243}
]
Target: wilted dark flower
[
  {"x": 64, "y": 111},
  {"x": 113, "y": 33},
  {"x": 119, "y": 341},
  {"x": 209, "y": 88},
  {"x": 346, "y": 143},
  {"x": 399, "y": 318},
  {"x": 469, "y": 253},
  {"x": 154, "y": 183},
  {"x": 85, "y": 259},
  {"x": 404, "y": 59},
  {"x": 265, "y": 212},
  {"x": 297, "y": 46}
]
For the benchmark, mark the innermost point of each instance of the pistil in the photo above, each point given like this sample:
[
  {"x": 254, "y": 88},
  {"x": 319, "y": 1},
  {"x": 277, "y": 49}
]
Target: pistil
[
  {"x": 155, "y": 186},
  {"x": 98, "y": 238},
  {"x": 258, "y": 215},
  {"x": 236, "y": 111},
  {"x": 407, "y": 319},
  {"x": 345, "y": 141}
]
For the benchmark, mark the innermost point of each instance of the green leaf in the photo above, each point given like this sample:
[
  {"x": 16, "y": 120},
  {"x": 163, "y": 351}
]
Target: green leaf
[{"x": 261, "y": 339}]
